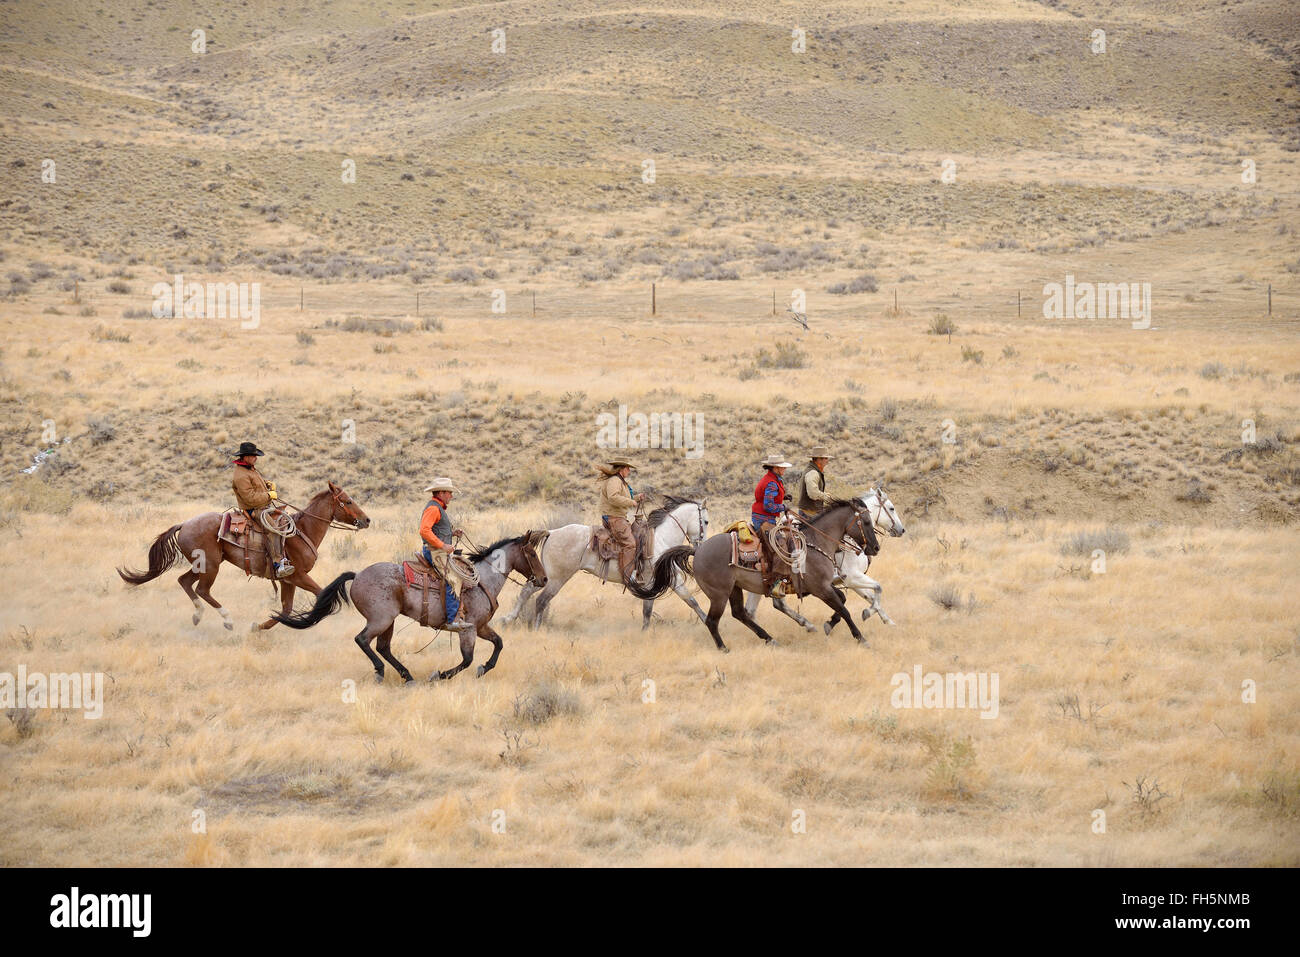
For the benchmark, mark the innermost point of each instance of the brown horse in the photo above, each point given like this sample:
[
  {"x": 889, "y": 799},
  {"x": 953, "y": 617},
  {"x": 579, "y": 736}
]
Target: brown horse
[
  {"x": 196, "y": 542},
  {"x": 723, "y": 582},
  {"x": 381, "y": 593}
]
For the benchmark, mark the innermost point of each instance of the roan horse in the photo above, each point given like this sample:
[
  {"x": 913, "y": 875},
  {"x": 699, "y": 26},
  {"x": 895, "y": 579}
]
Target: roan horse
[
  {"x": 567, "y": 551},
  {"x": 380, "y": 593},
  {"x": 195, "y": 541},
  {"x": 724, "y": 582}
]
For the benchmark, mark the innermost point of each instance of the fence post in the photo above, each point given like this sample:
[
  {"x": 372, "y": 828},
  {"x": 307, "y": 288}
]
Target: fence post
[
  {"x": 417, "y": 305},
  {"x": 300, "y": 298},
  {"x": 653, "y": 304},
  {"x": 1270, "y": 299},
  {"x": 774, "y": 302},
  {"x": 1017, "y": 303}
]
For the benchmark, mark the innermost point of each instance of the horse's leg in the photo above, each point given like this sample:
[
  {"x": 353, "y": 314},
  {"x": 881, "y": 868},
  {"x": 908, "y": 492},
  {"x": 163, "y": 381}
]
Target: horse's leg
[
  {"x": 468, "y": 635},
  {"x": 738, "y": 612},
  {"x": 525, "y": 593},
  {"x": 384, "y": 645},
  {"x": 873, "y": 596},
  {"x": 363, "y": 642},
  {"x": 780, "y": 605},
  {"x": 836, "y": 618},
  {"x": 203, "y": 586},
  {"x": 834, "y": 598},
  {"x": 717, "y": 603},
  {"x": 485, "y": 631},
  {"x": 684, "y": 593},
  {"x": 544, "y": 600},
  {"x": 287, "y": 590},
  {"x": 187, "y": 580}
]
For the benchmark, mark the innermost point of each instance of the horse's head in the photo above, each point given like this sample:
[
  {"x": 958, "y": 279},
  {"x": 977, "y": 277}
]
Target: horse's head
[
  {"x": 884, "y": 511},
  {"x": 861, "y": 528},
  {"x": 530, "y": 544},
  {"x": 346, "y": 511}
]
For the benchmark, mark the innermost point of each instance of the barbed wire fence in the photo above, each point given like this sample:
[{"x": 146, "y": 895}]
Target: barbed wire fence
[{"x": 669, "y": 302}]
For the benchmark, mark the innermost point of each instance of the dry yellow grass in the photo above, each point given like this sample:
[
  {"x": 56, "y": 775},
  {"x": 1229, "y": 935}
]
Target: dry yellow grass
[{"x": 1121, "y": 691}]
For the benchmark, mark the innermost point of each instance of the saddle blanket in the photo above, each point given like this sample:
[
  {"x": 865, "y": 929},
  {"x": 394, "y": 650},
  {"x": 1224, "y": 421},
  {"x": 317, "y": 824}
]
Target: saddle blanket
[{"x": 422, "y": 577}]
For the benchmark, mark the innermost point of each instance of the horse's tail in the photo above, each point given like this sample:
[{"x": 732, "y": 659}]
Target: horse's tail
[
  {"x": 163, "y": 554},
  {"x": 332, "y": 597},
  {"x": 679, "y": 557}
]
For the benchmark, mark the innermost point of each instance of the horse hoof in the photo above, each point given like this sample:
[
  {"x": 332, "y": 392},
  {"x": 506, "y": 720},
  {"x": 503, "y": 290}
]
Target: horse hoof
[
  {"x": 379, "y": 677},
  {"x": 480, "y": 671},
  {"x": 810, "y": 627},
  {"x": 827, "y": 627},
  {"x": 229, "y": 626},
  {"x": 866, "y": 613},
  {"x": 436, "y": 676}
]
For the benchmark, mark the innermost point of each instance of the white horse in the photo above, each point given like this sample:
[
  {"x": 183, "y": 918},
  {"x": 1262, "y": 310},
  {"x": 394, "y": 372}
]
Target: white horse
[
  {"x": 567, "y": 551},
  {"x": 852, "y": 566}
]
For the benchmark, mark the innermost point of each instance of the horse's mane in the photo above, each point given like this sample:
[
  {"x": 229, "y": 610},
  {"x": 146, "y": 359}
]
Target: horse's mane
[
  {"x": 311, "y": 501},
  {"x": 482, "y": 554},
  {"x": 854, "y": 503},
  {"x": 671, "y": 502}
]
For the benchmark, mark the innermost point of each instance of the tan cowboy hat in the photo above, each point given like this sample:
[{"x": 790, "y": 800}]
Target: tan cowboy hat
[
  {"x": 820, "y": 452},
  {"x": 442, "y": 484},
  {"x": 775, "y": 460},
  {"x": 617, "y": 464}
]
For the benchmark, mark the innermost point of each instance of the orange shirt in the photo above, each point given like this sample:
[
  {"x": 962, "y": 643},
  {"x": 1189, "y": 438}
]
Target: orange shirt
[{"x": 431, "y": 516}]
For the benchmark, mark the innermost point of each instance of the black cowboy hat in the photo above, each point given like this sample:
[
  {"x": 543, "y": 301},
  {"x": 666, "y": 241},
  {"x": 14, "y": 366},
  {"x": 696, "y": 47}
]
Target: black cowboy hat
[{"x": 248, "y": 448}]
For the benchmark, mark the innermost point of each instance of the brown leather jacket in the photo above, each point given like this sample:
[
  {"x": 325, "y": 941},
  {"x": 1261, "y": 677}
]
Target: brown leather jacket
[{"x": 250, "y": 488}]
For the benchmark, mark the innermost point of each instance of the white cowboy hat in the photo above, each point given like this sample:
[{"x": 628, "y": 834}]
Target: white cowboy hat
[
  {"x": 775, "y": 460},
  {"x": 442, "y": 484}
]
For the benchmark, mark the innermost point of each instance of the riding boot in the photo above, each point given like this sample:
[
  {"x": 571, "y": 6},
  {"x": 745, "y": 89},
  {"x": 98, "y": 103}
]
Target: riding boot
[
  {"x": 280, "y": 564},
  {"x": 459, "y": 623},
  {"x": 626, "y": 565}
]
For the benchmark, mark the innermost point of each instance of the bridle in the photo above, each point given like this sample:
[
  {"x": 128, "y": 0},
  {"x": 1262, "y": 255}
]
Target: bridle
[
  {"x": 844, "y": 541},
  {"x": 881, "y": 510},
  {"x": 699, "y": 509},
  {"x": 341, "y": 499}
]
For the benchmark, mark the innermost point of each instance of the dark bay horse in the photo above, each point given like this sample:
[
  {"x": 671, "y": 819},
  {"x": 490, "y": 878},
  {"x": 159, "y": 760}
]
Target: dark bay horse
[
  {"x": 195, "y": 541},
  {"x": 725, "y": 583},
  {"x": 380, "y": 593}
]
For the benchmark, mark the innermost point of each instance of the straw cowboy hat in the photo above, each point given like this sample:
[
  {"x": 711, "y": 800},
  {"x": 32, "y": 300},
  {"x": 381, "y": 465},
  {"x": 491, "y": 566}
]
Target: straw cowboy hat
[
  {"x": 820, "y": 452},
  {"x": 775, "y": 460},
  {"x": 615, "y": 464},
  {"x": 442, "y": 484}
]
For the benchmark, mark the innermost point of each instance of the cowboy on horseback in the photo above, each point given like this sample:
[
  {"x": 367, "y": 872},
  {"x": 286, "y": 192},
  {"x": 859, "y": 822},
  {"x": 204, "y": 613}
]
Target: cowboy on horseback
[
  {"x": 258, "y": 497},
  {"x": 767, "y": 512},
  {"x": 812, "y": 487},
  {"x": 436, "y": 533},
  {"x": 616, "y": 499}
]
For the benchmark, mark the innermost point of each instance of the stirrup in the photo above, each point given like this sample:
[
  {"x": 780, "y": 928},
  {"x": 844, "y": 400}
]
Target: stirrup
[{"x": 283, "y": 569}]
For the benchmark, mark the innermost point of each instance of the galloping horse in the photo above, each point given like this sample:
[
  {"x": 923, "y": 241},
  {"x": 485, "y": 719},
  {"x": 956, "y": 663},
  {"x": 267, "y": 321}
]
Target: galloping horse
[
  {"x": 724, "y": 582},
  {"x": 851, "y": 566},
  {"x": 380, "y": 593},
  {"x": 195, "y": 541},
  {"x": 567, "y": 551}
]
